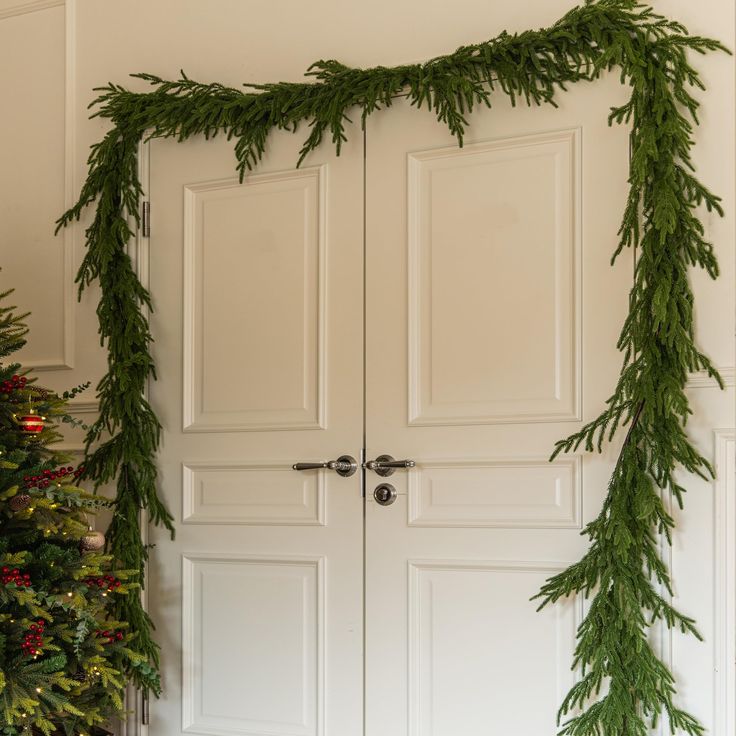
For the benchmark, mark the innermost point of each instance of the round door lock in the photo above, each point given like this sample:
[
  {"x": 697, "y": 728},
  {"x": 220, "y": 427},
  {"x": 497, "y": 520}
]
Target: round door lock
[{"x": 385, "y": 494}]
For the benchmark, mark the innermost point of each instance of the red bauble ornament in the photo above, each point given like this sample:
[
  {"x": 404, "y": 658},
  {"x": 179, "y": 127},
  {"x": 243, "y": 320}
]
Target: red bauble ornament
[{"x": 31, "y": 423}]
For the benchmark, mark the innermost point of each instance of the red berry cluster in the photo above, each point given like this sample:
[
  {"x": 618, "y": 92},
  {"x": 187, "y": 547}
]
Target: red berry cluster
[
  {"x": 33, "y": 639},
  {"x": 15, "y": 383},
  {"x": 111, "y": 636},
  {"x": 44, "y": 479},
  {"x": 107, "y": 582},
  {"x": 21, "y": 579}
]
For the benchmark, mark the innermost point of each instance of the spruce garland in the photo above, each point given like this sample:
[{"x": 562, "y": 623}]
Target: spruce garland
[{"x": 624, "y": 688}]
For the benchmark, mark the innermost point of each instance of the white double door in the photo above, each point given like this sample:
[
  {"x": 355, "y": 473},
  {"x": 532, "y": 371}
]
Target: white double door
[{"x": 455, "y": 307}]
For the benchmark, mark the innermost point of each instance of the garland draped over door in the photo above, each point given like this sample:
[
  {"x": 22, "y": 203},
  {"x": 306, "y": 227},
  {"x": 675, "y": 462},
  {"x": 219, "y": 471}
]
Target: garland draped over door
[{"x": 623, "y": 688}]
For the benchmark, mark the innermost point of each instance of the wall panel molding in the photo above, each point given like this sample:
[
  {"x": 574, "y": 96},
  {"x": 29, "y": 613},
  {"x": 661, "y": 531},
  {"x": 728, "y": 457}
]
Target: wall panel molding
[
  {"x": 77, "y": 406},
  {"x": 66, "y": 359},
  {"x": 71, "y": 448},
  {"x": 10, "y": 8},
  {"x": 701, "y": 379},
  {"x": 724, "y": 644}
]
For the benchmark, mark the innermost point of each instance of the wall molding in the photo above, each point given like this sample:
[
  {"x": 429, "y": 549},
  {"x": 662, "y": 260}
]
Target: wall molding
[
  {"x": 65, "y": 361},
  {"x": 661, "y": 635},
  {"x": 30, "y": 6},
  {"x": 69, "y": 448},
  {"x": 724, "y": 640},
  {"x": 700, "y": 379},
  {"x": 76, "y": 406}
]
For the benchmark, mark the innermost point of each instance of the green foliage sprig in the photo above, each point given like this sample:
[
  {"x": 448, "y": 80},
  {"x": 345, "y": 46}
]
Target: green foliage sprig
[{"x": 624, "y": 687}]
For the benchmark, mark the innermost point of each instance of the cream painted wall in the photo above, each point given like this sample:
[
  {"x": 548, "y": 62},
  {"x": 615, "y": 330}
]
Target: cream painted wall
[{"x": 53, "y": 53}]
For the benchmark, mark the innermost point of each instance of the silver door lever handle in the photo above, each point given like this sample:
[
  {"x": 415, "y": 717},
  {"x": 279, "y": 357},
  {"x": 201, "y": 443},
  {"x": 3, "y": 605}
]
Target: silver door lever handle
[
  {"x": 384, "y": 465},
  {"x": 345, "y": 465}
]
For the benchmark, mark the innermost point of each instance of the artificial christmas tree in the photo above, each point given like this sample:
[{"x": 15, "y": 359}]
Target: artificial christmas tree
[{"x": 64, "y": 660}]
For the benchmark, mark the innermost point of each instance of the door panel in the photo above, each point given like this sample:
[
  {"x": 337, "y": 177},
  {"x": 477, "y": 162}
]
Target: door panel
[
  {"x": 492, "y": 318},
  {"x": 452, "y": 606},
  {"x": 256, "y": 343},
  {"x": 259, "y": 671},
  {"x": 239, "y": 242},
  {"x": 492, "y": 188}
]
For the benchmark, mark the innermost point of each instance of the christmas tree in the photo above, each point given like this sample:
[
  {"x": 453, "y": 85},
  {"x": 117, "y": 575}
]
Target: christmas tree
[{"x": 64, "y": 660}]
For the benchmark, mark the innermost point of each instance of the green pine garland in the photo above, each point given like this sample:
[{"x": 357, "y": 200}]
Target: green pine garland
[{"x": 624, "y": 686}]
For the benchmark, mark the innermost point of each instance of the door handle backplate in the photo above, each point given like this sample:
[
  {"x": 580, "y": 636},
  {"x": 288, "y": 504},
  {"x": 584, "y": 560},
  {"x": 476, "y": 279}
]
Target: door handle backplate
[
  {"x": 345, "y": 465},
  {"x": 385, "y": 465}
]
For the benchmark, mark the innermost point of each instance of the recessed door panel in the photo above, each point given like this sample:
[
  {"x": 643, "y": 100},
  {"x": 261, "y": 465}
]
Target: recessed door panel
[
  {"x": 464, "y": 615},
  {"x": 518, "y": 492},
  {"x": 489, "y": 225},
  {"x": 240, "y": 242},
  {"x": 253, "y": 635}
]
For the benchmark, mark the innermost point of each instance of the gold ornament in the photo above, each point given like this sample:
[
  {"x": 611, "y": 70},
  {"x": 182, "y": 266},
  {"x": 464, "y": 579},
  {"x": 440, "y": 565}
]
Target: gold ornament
[{"x": 92, "y": 541}]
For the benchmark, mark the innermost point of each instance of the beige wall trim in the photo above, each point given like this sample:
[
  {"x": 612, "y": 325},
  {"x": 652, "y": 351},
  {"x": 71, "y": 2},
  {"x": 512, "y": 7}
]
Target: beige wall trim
[
  {"x": 8, "y": 10},
  {"x": 701, "y": 379},
  {"x": 64, "y": 361},
  {"x": 83, "y": 407}
]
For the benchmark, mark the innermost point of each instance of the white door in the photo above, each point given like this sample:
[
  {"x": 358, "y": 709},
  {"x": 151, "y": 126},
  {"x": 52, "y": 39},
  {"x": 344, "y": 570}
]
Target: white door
[
  {"x": 258, "y": 299},
  {"x": 492, "y": 318}
]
